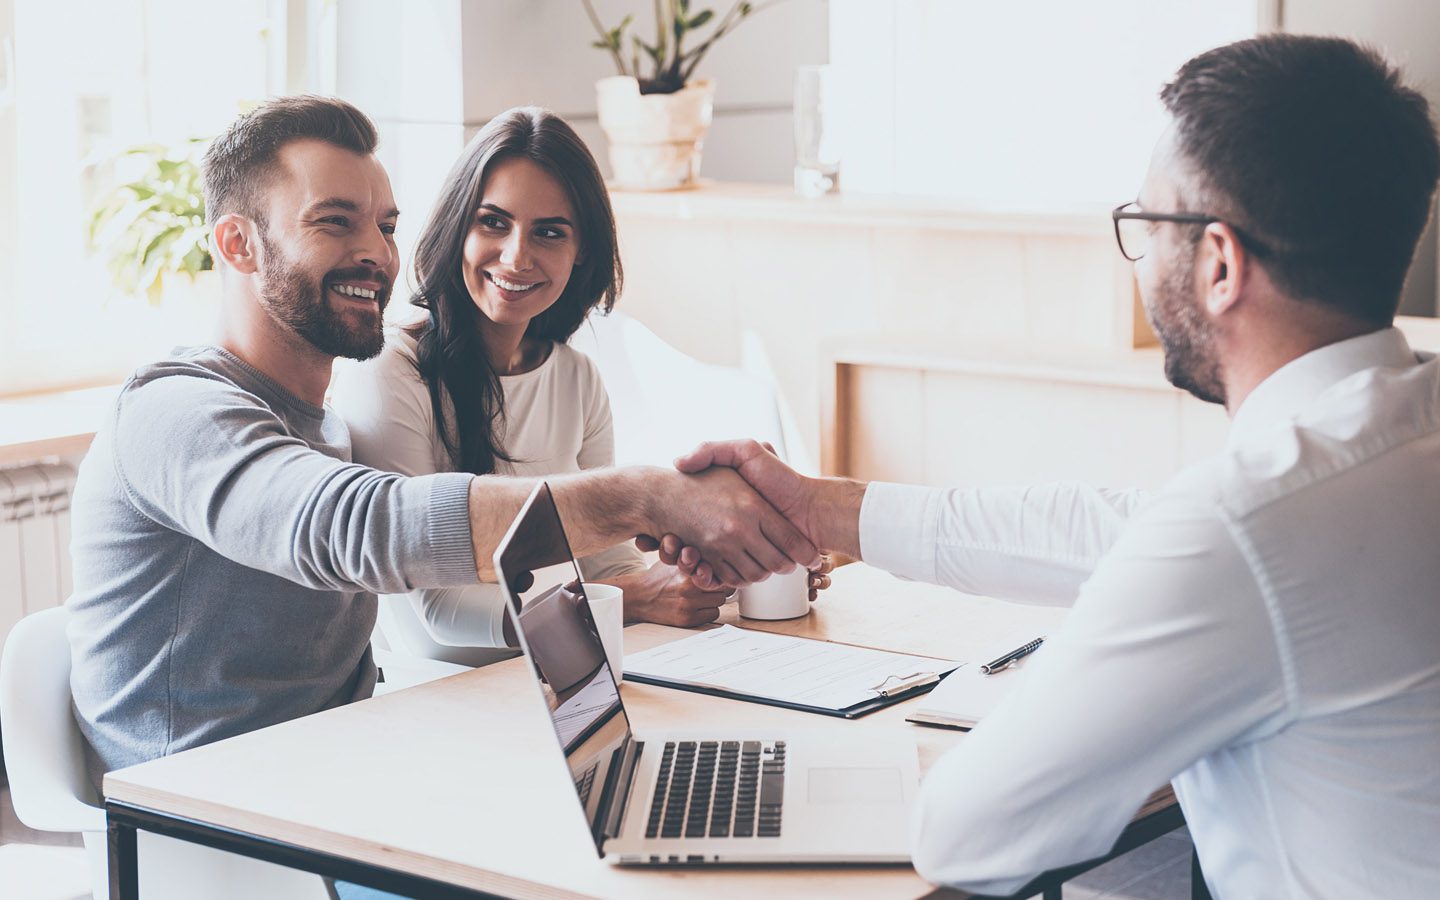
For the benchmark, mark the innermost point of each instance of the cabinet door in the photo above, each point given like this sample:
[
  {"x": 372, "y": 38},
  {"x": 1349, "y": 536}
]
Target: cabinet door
[{"x": 956, "y": 428}]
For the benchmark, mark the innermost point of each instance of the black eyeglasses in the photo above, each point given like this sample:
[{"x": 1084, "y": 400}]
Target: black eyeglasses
[{"x": 1132, "y": 233}]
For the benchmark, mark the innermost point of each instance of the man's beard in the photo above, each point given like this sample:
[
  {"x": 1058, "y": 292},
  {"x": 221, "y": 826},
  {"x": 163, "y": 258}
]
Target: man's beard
[
  {"x": 294, "y": 300},
  {"x": 1185, "y": 335}
]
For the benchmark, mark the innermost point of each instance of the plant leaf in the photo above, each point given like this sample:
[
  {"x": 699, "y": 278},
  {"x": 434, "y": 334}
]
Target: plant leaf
[
  {"x": 154, "y": 222},
  {"x": 651, "y": 51},
  {"x": 701, "y": 18}
]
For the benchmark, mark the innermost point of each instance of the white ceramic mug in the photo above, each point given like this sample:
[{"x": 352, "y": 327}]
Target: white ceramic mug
[
  {"x": 607, "y": 606},
  {"x": 777, "y": 597}
]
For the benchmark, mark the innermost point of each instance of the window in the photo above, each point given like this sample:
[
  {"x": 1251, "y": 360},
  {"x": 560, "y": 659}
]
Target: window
[{"x": 72, "y": 98}]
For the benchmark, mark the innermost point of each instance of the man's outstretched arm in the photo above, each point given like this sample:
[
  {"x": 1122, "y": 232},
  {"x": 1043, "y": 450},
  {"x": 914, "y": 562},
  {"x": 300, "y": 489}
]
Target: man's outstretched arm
[
  {"x": 1035, "y": 543},
  {"x": 739, "y": 536}
]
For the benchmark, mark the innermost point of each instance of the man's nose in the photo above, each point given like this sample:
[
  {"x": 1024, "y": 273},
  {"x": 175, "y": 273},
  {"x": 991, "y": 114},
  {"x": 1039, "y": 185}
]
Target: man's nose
[{"x": 375, "y": 249}]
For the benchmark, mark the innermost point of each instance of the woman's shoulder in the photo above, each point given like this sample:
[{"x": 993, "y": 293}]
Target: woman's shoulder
[
  {"x": 576, "y": 363},
  {"x": 395, "y": 364},
  {"x": 402, "y": 343},
  {"x": 388, "y": 376}
]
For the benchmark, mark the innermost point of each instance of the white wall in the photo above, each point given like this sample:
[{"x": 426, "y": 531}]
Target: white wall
[
  {"x": 431, "y": 72},
  {"x": 9, "y": 171},
  {"x": 1407, "y": 31},
  {"x": 1044, "y": 104}
]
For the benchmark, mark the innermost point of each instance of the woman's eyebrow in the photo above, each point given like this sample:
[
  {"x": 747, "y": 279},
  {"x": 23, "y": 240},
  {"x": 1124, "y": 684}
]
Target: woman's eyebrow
[{"x": 549, "y": 220}]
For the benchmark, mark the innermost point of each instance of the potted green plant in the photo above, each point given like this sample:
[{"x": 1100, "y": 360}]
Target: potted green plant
[
  {"x": 656, "y": 120},
  {"x": 153, "y": 226}
]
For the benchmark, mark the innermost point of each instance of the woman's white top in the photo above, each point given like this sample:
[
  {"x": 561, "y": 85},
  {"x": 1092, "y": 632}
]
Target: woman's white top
[{"x": 557, "y": 421}]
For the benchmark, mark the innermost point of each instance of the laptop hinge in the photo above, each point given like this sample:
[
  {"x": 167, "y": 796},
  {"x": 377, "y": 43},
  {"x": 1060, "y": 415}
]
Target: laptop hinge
[{"x": 618, "y": 792}]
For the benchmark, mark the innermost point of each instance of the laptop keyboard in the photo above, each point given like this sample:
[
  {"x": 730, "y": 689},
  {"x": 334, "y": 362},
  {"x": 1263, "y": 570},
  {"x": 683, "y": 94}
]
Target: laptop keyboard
[
  {"x": 584, "y": 784},
  {"x": 718, "y": 789}
]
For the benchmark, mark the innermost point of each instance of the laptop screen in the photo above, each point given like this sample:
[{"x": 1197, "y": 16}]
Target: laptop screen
[{"x": 563, "y": 645}]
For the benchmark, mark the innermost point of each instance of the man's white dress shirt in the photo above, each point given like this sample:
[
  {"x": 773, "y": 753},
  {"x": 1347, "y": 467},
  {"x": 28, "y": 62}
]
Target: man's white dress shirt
[{"x": 1264, "y": 633}]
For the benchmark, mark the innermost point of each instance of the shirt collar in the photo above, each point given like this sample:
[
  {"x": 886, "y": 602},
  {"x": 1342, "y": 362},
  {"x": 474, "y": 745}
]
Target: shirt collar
[{"x": 1291, "y": 387}]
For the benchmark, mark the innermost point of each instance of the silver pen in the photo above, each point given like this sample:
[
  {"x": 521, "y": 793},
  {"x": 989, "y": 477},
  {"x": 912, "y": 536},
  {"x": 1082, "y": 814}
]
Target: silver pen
[{"x": 1009, "y": 659}]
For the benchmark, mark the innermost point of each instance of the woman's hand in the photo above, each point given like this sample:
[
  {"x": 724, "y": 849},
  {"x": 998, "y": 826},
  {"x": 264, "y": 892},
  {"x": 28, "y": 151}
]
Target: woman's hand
[
  {"x": 820, "y": 575},
  {"x": 665, "y": 595}
]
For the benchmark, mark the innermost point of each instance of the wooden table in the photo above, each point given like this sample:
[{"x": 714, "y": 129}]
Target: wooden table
[{"x": 456, "y": 788}]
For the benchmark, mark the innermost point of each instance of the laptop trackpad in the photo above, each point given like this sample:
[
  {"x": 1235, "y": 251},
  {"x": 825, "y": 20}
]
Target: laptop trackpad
[{"x": 856, "y": 785}]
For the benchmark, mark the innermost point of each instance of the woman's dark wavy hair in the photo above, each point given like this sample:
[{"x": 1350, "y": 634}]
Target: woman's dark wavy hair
[{"x": 450, "y": 355}]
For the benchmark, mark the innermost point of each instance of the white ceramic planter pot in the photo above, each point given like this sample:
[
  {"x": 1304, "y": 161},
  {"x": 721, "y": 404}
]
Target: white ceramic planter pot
[{"x": 655, "y": 139}]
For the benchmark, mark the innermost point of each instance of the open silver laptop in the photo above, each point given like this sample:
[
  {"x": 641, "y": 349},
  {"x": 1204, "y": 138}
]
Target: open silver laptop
[{"x": 673, "y": 797}]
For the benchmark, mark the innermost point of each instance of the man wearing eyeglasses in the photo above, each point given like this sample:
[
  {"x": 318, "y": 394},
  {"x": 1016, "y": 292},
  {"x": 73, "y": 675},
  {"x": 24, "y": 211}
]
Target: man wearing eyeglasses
[{"x": 1263, "y": 631}]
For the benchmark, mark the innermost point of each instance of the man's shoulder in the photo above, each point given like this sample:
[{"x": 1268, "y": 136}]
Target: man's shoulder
[
  {"x": 190, "y": 382},
  {"x": 1355, "y": 424},
  {"x": 187, "y": 368}
]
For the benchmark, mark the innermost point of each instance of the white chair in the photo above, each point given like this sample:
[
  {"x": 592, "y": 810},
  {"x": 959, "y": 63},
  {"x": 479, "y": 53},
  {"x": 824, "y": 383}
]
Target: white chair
[
  {"x": 405, "y": 668},
  {"x": 45, "y": 760},
  {"x": 44, "y": 751},
  {"x": 665, "y": 402}
]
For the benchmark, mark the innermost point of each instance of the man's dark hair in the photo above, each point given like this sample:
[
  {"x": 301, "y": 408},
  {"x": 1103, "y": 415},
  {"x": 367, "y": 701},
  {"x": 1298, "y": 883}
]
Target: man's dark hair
[
  {"x": 240, "y": 163},
  {"x": 1317, "y": 153}
]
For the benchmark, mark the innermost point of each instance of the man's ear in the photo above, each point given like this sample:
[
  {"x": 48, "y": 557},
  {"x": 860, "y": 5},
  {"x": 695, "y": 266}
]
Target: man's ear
[
  {"x": 237, "y": 242},
  {"x": 1225, "y": 265}
]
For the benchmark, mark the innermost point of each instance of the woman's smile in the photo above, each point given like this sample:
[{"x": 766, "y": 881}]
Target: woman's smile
[{"x": 511, "y": 288}]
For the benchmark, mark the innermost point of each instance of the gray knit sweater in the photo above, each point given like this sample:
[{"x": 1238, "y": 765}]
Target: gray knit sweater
[{"x": 227, "y": 555}]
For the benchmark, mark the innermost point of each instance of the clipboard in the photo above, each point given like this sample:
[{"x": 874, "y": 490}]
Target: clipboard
[
  {"x": 880, "y": 701},
  {"x": 876, "y": 678}
]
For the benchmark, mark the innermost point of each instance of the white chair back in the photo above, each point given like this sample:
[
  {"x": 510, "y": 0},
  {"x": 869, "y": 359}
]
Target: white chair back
[
  {"x": 665, "y": 402},
  {"x": 45, "y": 759},
  {"x": 44, "y": 750}
]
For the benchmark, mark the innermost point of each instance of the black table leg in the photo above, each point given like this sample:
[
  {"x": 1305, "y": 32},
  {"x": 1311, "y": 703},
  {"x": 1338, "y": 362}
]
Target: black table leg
[{"x": 124, "y": 867}]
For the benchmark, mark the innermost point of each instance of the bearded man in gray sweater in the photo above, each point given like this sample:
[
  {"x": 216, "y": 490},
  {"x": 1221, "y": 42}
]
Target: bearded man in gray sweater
[{"x": 227, "y": 552}]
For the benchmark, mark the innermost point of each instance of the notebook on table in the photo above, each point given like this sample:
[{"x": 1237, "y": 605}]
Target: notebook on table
[{"x": 967, "y": 695}]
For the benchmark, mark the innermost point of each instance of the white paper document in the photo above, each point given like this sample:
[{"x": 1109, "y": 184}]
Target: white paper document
[
  {"x": 590, "y": 702},
  {"x": 782, "y": 667},
  {"x": 964, "y": 698},
  {"x": 968, "y": 695}
]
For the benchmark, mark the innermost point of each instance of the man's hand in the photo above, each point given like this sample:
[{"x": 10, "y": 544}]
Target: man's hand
[
  {"x": 827, "y": 510},
  {"x": 757, "y": 463},
  {"x": 732, "y": 535},
  {"x": 665, "y": 595}
]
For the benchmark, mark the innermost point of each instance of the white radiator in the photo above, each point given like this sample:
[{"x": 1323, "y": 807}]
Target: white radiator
[{"x": 34, "y": 539}]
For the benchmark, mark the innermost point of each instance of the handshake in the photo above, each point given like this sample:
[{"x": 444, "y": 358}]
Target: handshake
[{"x": 734, "y": 514}]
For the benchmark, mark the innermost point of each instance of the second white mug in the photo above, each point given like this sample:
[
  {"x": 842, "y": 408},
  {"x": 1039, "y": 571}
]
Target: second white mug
[
  {"x": 777, "y": 597},
  {"x": 607, "y": 607}
]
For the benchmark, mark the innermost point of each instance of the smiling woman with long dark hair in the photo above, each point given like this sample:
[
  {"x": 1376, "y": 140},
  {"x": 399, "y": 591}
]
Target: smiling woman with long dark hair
[
  {"x": 532, "y": 148},
  {"x": 519, "y": 249}
]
